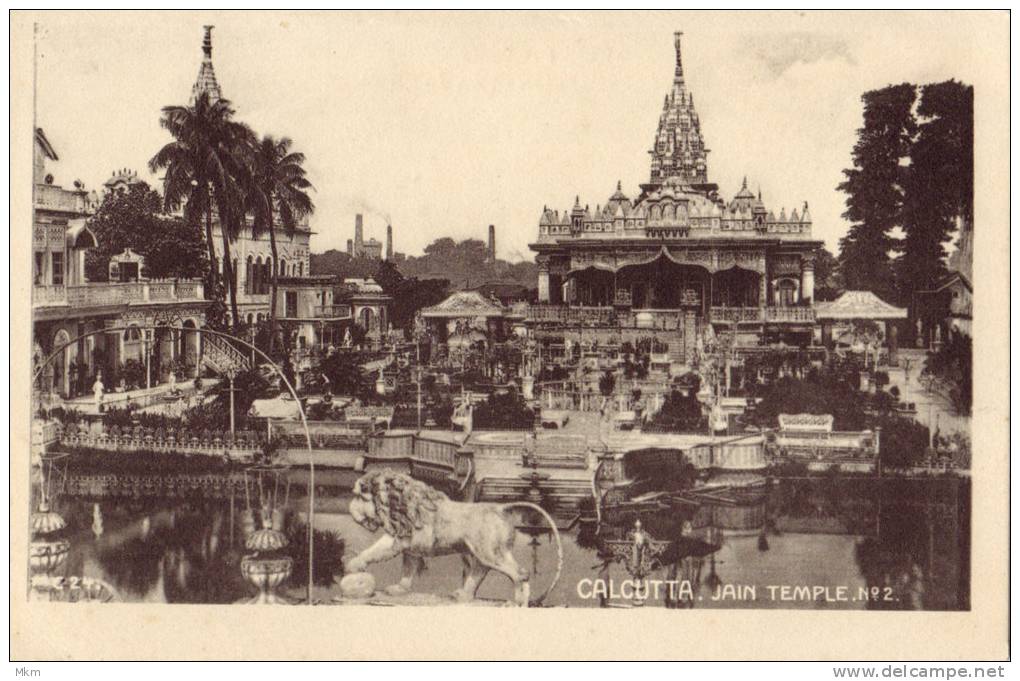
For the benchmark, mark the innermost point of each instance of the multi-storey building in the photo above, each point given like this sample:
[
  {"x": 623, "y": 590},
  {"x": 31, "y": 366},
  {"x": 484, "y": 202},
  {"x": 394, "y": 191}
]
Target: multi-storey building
[
  {"x": 131, "y": 312},
  {"x": 678, "y": 257}
]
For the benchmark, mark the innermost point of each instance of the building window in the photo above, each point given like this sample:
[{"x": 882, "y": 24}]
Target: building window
[
  {"x": 290, "y": 298},
  {"x": 39, "y": 267},
  {"x": 787, "y": 293},
  {"x": 57, "y": 268}
]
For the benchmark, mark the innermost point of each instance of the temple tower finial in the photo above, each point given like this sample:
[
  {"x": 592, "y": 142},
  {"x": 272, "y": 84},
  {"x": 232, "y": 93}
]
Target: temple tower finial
[
  {"x": 679, "y": 61},
  {"x": 207, "y": 42}
]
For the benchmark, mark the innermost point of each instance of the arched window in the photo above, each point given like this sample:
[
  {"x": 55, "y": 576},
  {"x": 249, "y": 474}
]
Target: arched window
[
  {"x": 257, "y": 283},
  {"x": 367, "y": 318},
  {"x": 786, "y": 293},
  {"x": 283, "y": 267}
]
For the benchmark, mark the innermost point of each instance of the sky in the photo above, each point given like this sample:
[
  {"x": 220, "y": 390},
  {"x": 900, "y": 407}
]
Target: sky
[{"x": 444, "y": 123}]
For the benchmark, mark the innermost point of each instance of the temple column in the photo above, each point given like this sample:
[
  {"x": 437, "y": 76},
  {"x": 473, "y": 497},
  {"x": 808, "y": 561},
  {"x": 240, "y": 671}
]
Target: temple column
[
  {"x": 543, "y": 280},
  {"x": 807, "y": 280}
]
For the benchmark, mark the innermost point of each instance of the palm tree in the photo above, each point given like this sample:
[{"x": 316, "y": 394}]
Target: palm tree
[
  {"x": 281, "y": 189},
  {"x": 202, "y": 166}
]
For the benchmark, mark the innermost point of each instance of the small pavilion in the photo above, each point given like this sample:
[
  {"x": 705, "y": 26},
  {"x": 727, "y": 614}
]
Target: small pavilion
[
  {"x": 466, "y": 318},
  {"x": 854, "y": 306}
]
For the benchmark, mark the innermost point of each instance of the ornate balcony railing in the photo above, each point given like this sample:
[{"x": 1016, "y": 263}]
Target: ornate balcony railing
[
  {"x": 341, "y": 311},
  {"x": 758, "y": 315},
  {"x": 570, "y": 315},
  {"x": 117, "y": 293},
  {"x": 790, "y": 314},
  {"x": 736, "y": 314},
  {"x": 52, "y": 197}
]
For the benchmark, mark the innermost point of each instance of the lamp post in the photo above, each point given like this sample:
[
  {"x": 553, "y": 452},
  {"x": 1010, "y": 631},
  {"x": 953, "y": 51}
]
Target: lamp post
[{"x": 417, "y": 370}]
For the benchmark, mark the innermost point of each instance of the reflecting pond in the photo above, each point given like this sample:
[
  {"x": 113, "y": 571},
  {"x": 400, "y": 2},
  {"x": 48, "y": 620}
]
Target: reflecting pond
[{"x": 800, "y": 543}]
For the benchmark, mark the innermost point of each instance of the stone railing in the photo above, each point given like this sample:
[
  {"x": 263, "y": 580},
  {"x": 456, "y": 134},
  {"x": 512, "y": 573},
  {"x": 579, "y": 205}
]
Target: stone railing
[
  {"x": 759, "y": 315},
  {"x": 53, "y": 197},
  {"x": 790, "y": 314},
  {"x": 324, "y": 434},
  {"x": 831, "y": 446},
  {"x": 736, "y": 314},
  {"x": 222, "y": 357},
  {"x": 332, "y": 311},
  {"x": 415, "y": 448},
  {"x": 208, "y": 485},
  {"x": 564, "y": 314},
  {"x": 242, "y": 445},
  {"x": 118, "y": 293}
]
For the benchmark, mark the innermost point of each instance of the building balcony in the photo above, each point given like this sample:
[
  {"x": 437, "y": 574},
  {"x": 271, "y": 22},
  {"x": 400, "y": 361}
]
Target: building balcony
[
  {"x": 99, "y": 294},
  {"x": 333, "y": 311},
  {"x": 54, "y": 198}
]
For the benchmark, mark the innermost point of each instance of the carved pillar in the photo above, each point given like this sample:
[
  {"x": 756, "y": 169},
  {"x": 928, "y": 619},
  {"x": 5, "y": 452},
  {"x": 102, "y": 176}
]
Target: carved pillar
[
  {"x": 543, "y": 280},
  {"x": 807, "y": 279},
  {"x": 763, "y": 293}
]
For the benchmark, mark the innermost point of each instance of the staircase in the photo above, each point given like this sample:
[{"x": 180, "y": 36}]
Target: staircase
[{"x": 222, "y": 357}]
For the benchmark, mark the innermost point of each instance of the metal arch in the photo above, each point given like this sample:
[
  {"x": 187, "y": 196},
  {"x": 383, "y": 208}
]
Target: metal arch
[{"x": 301, "y": 410}]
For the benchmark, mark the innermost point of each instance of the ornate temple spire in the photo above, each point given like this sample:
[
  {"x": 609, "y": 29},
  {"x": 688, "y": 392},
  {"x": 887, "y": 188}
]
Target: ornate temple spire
[
  {"x": 206, "y": 81},
  {"x": 678, "y": 75},
  {"x": 679, "y": 149}
]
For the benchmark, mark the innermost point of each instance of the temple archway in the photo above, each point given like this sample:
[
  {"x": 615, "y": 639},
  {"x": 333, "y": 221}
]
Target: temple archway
[
  {"x": 663, "y": 284},
  {"x": 736, "y": 287},
  {"x": 592, "y": 286}
]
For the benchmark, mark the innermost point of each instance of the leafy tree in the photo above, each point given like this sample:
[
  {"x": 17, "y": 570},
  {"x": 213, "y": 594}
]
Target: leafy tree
[
  {"x": 819, "y": 393},
  {"x": 828, "y": 283},
  {"x": 345, "y": 375},
  {"x": 203, "y": 165},
  {"x": 874, "y": 188},
  {"x": 680, "y": 414},
  {"x": 281, "y": 189},
  {"x": 503, "y": 411},
  {"x": 607, "y": 382},
  {"x": 940, "y": 186},
  {"x": 172, "y": 248},
  {"x": 953, "y": 364}
]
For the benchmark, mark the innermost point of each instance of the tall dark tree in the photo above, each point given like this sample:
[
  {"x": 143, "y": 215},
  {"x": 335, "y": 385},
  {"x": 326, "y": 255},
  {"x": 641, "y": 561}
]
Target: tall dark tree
[
  {"x": 828, "y": 283},
  {"x": 875, "y": 188},
  {"x": 281, "y": 191},
  {"x": 940, "y": 186},
  {"x": 202, "y": 165}
]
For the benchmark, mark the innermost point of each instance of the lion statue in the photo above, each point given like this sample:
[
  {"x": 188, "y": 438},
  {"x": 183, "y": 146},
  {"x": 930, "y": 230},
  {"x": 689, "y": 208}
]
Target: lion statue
[{"x": 419, "y": 521}]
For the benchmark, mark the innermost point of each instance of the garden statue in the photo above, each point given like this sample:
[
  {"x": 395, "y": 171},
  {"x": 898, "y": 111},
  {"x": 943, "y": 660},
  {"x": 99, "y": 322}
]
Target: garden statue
[
  {"x": 919, "y": 337},
  {"x": 97, "y": 520},
  {"x": 348, "y": 339},
  {"x": 173, "y": 382},
  {"x": 97, "y": 390},
  {"x": 122, "y": 385},
  {"x": 418, "y": 521}
]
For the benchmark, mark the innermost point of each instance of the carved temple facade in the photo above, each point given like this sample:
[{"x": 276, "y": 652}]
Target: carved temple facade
[{"x": 678, "y": 256}]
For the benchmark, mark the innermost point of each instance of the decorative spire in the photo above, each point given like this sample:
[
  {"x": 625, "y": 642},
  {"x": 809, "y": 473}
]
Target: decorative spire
[
  {"x": 206, "y": 81},
  {"x": 679, "y": 74},
  {"x": 619, "y": 186},
  {"x": 679, "y": 149},
  {"x": 744, "y": 185}
]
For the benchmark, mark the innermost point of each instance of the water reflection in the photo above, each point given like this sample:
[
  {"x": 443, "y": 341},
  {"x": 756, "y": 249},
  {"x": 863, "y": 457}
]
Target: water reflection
[{"x": 909, "y": 539}]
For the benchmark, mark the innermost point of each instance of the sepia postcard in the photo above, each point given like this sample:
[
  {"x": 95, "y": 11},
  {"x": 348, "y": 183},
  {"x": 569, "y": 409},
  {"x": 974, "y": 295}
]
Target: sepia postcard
[{"x": 509, "y": 335}]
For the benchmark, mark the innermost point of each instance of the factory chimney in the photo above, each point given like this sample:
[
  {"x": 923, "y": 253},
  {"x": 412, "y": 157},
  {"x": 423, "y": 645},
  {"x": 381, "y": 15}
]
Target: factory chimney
[
  {"x": 359, "y": 236},
  {"x": 492, "y": 243},
  {"x": 389, "y": 242},
  {"x": 350, "y": 248}
]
